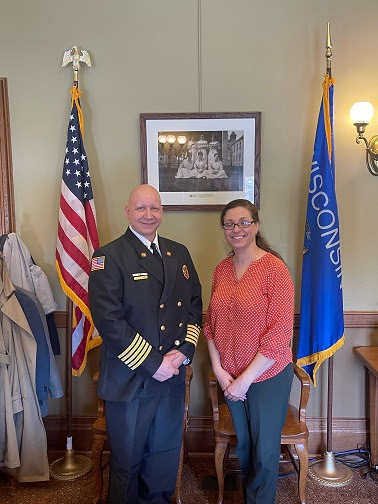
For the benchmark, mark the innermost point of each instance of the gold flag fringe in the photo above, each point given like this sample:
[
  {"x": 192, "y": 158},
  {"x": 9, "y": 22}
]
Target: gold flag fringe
[{"x": 319, "y": 357}]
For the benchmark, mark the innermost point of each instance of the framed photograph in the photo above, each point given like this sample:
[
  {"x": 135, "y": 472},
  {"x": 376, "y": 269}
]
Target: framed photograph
[{"x": 202, "y": 161}]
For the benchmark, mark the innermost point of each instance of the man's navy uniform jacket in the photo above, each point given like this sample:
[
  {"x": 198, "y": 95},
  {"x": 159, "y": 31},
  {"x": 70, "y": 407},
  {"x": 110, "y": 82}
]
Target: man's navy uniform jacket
[{"x": 142, "y": 312}]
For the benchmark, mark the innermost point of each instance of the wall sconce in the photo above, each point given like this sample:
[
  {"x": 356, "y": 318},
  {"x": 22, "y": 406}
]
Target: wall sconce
[
  {"x": 171, "y": 149},
  {"x": 167, "y": 144},
  {"x": 361, "y": 113}
]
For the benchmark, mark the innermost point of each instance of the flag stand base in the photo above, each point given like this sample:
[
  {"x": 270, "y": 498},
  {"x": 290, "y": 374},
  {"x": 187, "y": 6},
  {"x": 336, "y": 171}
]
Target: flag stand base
[
  {"x": 329, "y": 473},
  {"x": 71, "y": 466}
]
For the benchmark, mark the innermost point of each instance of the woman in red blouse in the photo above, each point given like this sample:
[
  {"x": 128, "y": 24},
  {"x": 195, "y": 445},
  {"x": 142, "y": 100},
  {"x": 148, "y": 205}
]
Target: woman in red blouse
[{"x": 248, "y": 331}]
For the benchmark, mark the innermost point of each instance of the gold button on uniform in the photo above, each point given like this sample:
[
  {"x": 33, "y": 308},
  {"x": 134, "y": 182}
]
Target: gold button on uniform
[
  {"x": 181, "y": 324},
  {"x": 179, "y": 303},
  {"x": 177, "y": 342},
  {"x": 161, "y": 347},
  {"x": 162, "y": 327},
  {"x": 162, "y": 305}
]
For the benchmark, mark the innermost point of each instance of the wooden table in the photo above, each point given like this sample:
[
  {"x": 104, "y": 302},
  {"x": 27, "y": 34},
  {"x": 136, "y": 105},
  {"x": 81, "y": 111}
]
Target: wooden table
[{"x": 369, "y": 357}]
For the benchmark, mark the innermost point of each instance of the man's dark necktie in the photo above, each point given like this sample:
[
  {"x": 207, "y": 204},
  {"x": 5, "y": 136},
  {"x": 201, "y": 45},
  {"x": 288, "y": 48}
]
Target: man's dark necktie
[{"x": 156, "y": 253}]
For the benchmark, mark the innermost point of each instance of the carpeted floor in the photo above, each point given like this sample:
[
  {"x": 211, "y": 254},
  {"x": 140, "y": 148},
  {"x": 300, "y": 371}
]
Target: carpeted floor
[{"x": 199, "y": 486}]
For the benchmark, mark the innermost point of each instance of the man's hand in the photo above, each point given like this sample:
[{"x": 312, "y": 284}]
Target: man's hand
[
  {"x": 178, "y": 356},
  {"x": 167, "y": 368}
]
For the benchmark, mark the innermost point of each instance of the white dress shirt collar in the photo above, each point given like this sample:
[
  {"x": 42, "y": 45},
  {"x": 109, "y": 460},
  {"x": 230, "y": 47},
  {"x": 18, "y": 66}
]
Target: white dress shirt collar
[{"x": 147, "y": 242}]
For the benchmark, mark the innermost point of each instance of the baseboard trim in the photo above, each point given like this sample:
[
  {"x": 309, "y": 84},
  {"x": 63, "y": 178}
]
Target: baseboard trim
[
  {"x": 56, "y": 430},
  {"x": 347, "y": 434}
]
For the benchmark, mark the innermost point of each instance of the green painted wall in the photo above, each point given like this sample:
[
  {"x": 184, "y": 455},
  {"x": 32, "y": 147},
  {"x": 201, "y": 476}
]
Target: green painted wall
[{"x": 255, "y": 56}]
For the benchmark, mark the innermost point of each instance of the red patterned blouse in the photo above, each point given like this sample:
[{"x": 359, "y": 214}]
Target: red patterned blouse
[{"x": 250, "y": 315}]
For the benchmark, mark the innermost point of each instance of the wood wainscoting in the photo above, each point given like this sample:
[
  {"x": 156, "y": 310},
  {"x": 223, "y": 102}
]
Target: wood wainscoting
[{"x": 347, "y": 433}]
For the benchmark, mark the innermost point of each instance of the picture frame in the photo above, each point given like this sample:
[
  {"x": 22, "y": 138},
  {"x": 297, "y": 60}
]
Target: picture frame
[{"x": 202, "y": 161}]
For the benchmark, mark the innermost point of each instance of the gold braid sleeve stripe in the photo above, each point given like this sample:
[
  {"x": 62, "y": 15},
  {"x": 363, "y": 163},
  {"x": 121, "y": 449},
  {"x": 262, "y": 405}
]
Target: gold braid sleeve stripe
[
  {"x": 189, "y": 339},
  {"x": 193, "y": 329},
  {"x": 144, "y": 351},
  {"x": 136, "y": 352},
  {"x": 192, "y": 334}
]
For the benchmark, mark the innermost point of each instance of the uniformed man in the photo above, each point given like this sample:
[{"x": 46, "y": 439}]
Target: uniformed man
[{"x": 145, "y": 299}]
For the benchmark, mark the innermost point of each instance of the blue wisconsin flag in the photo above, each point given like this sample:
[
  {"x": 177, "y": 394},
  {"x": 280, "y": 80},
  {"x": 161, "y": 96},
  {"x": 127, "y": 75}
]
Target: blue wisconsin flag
[{"x": 321, "y": 329}]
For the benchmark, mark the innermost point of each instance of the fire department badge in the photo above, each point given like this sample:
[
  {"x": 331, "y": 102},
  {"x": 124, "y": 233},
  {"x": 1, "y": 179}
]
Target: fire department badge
[{"x": 185, "y": 271}]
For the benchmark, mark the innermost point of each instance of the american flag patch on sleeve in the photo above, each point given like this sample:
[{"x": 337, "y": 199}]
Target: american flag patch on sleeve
[{"x": 98, "y": 263}]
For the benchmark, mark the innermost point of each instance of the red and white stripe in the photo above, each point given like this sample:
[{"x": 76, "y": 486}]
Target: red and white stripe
[{"x": 77, "y": 239}]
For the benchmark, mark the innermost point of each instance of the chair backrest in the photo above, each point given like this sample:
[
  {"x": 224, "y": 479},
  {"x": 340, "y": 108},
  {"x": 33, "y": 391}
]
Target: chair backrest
[
  {"x": 217, "y": 397},
  {"x": 305, "y": 391},
  {"x": 295, "y": 432},
  {"x": 100, "y": 402},
  {"x": 188, "y": 379}
]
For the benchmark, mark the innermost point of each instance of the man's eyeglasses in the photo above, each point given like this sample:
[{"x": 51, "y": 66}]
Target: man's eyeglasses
[{"x": 228, "y": 226}]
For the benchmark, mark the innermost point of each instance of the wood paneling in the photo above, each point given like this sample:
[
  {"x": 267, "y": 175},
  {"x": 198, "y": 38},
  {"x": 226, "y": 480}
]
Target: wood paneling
[
  {"x": 61, "y": 319},
  {"x": 347, "y": 434}
]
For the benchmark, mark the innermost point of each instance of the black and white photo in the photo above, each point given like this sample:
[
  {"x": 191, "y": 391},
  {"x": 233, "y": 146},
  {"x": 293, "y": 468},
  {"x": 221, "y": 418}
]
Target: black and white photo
[{"x": 201, "y": 161}]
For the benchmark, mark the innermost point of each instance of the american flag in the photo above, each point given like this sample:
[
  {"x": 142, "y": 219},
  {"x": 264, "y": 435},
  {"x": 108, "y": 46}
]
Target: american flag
[{"x": 77, "y": 236}]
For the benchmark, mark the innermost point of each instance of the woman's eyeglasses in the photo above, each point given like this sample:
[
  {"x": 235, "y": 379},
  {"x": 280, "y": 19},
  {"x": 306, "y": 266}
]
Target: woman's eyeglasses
[{"x": 228, "y": 226}]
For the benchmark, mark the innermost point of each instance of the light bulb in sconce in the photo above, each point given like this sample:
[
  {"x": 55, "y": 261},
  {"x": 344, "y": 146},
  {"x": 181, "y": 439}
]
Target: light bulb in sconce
[
  {"x": 361, "y": 112},
  {"x": 181, "y": 140},
  {"x": 171, "y": 139},
  {"x": 162, "y": 139}
]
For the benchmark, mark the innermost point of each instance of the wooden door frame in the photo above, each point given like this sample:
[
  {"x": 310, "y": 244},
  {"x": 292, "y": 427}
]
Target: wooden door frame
[{"x": 7, "y": 209}]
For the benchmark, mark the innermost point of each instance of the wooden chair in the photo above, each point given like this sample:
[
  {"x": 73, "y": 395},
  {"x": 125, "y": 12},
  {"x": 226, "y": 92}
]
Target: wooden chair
[
  {"x": 295, "y": 433},
  {"x": 99, "y": 438}
]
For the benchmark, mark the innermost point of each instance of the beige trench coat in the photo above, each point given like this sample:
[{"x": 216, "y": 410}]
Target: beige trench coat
[{"x": 23, "y": 443}]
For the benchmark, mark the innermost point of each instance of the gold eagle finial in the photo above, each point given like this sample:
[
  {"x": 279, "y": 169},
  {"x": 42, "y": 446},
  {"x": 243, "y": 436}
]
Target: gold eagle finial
[{"x": 73, "y": 55}]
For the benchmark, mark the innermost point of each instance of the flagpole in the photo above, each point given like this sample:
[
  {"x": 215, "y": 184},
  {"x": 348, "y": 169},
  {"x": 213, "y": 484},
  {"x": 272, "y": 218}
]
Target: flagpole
[
  {"x": 330, "y": 404},
  {"x": 328, "y": 56},
  {"x": 69, "y": 369},
  {"x": 328, "y": 472},
  {"x": 71, "y": 466}
]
